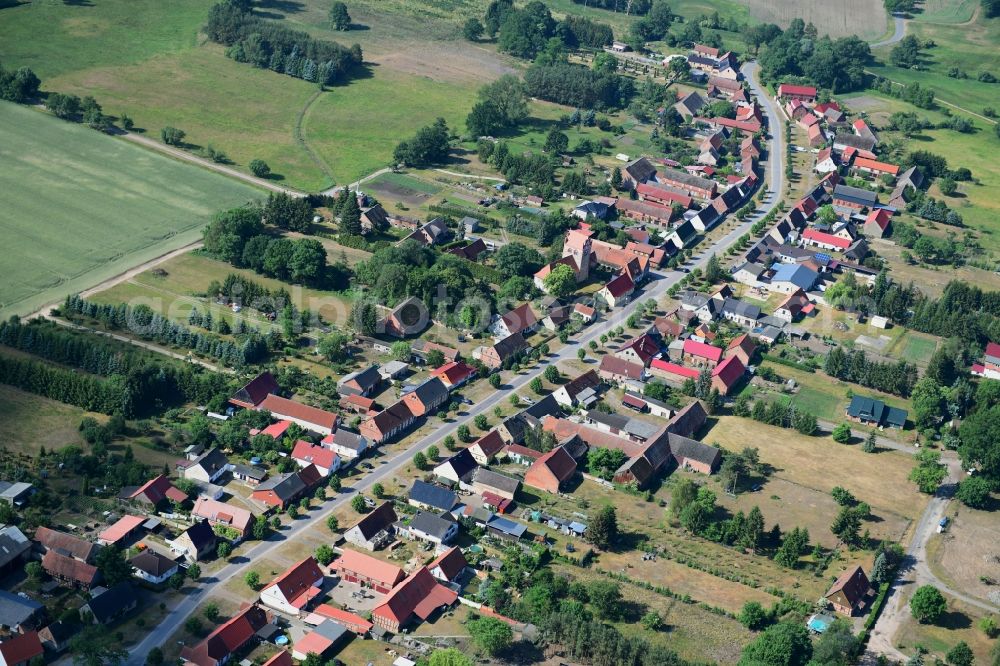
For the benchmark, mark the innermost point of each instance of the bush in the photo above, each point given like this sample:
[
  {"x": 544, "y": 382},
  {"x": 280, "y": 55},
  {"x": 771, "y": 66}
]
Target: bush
[{"x": 927, "y": 604}]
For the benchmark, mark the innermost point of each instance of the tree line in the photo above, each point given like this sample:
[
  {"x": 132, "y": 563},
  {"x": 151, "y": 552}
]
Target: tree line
[
  {"x": 115, "y": 378},
  {"x": 530, "y": 30},
  {"x": 269, "y": 45},
  {"x": 142, "y": 322},
  {"x": 962, "y": 311},
  {"x": 896, "y": 378},
  {"x": 577, "y": 86}
]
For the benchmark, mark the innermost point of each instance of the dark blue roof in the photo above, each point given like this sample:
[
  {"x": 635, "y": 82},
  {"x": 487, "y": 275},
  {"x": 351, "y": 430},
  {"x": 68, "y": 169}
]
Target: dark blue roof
[
  {"x": 507, "y": 526},
  {"x": 432, "y": 495}
]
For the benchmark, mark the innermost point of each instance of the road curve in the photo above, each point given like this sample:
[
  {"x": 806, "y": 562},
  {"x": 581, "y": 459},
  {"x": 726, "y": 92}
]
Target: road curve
[{"x": 899, "y": 25}]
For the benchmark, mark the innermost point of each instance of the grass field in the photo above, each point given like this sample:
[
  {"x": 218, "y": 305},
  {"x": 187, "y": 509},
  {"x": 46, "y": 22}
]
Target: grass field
[
  {"x": 946, "y": 11},
  {"x": 28, "y": 421},
  {"x": 80, "y": 207},
  {"x": 970, "y": 46},
  {"x": 803, "y": 465},
  {"x": 957, "y": 624}
]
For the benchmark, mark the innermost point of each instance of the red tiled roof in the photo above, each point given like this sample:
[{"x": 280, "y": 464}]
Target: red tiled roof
[
  {"x": 159, "y": 489},
  {"x": 120, "y": 529},
  {"x": 633, "y": 401},
  {"x": 358, "y": 401},
  {"x": 644, "y": 346},
  {"x": 454, "y": 372},
  {"x": 656, "y": 191},
  {"x": 491, "y": 443},
  {"x": 875, "y": 165},
  {"x": 228, "y": 637},
  {"x": 993, "y": 349},
  {"x": 792, "y": 89},
  {"x": 370, "y": 567},
  {"x": 822, "y": 108},
  {"x": 420, "y": 594},
  {"x": 297, "y": 581},
  {"x": 281, "y": 658},
  {"x": 743, "y": 342},
  {"x": 673, "y": 368},
  {"x": 66, "y": 567},
  {"x": 523, "y": 451},
  {"x": 520, "y": 318},
  {"x": 78, "y": 548},
  {"x": 702, "y": 350},
  {"x": 619, "y": 366},
  {"x": 828, "y": 239},
  {"x": 313, "y": 453},
  {"x": 729, "y": 371},
  {"x": 620, "y": 286},
  {"x": 559, "y": 463},
  {"x": 275, "y": 430},
  {"x": 220, "y": 512},
  {"x": 21, "y": 648},
  {"x": 313, "y": 643},
  {"x": 879, "y": 216},
  {"x": 296, "y": 410},
  {"x": 353, "y": 622}
]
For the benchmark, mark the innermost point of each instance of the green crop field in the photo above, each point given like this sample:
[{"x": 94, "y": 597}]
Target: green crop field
[{"x": 80, "y": 207}]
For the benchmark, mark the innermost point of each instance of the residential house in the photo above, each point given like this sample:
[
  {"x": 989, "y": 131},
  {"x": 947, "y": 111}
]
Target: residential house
[
  {"x": 208, "y": 467},
  {"x": 55, "y": 637},
  {"x": 471, "y": 251},
  {"x": 796, "y": 305},
  {"x": 280, "y": 491},
  {"x": 306, "y": 453},
  {"x": 430, "y": 527},
  {"x": 487, "y": 447},
  {"x": 586, "y": 313},
  {"x": 367, "y": 571},
  {"x": 640, "y": 349},
  {"x": 662, "y": 195},
  {"x": 557, "y": 317},
  {"x": 434, "y": 232},
  {"x": 408, "y": 318},
  {"x": 419, "y": 596},
  {"x": 907, "y": 184},
  {"x": 228, "y": 638},
  {"x": 579, "y": 390},
  {"x": 69, "y": 570},
  {"x": 224, "y": 515},
  {"x": 388, "y": 423},
  {"x": 311, "y": 418},
  {"x": 195, "y": 542},
  {"x": 874, "y": 167},
  {"x": 552, "y": 471},
  {"x": 323, "y": 639},
  {"x": 21, "y": 650},
  {"x": 689, "y": 105},
  {"x": 618, "y": 371},
  {"x": 990, "y": 367},
  {"x": 19, "y": 614},
  {"x": 521, "y": 319},
  {"x": 374, "y": 530},
  {"x": 618, "y": 291},
  {"x": 430, "y": 496},
  {"x": 741, "y": 312},
  {"x": 361, "y": 382},
  {"x": 426, "y": 397},
  {"x": 850, "y": 591},
  {"x": 825, "y": 162},
  {"x": 503, "y": 351},
  {"x": 728, "y": 374},
  {"x": 749, "y": 274},
  {"x": 668, "y": 326},
  {"x": 825, "y": 241},
  {"x": 454, "y": 374},
  {"x": 152, "y": 567},
  {"x": 125, "y": 530},
  {"x": 292, "y": 591},
  {"x": 254, "y": 393},
  {"x": 450, "y": 566},
  {"x": 791, "y": 277},
  {"x": 877, "y": 223},
  {"x": 870, "y": 411},
  {"x": 591, "y": 209},
  {"x": 521, "y": 455},
  {"x": 701, "y": 355},
  {"x": 374, "y": 218},
  {"x": 682, "y": 235},
  {"x": 455, "y": 468},
  {"x": 155, "y": 492},
  {"x": 421, "y": 348}
]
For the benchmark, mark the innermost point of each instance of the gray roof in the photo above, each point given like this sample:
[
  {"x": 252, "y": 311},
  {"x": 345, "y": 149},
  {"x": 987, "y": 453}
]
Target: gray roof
[
  {"x": 211, "y": 461},
  {"x": 250, "y": 471},
  {"x": 752, "y": 268},
  {"x": 683, "y": 447},
  {"x": 110, "y": 603},
  {"x": 740, "y": 308},
  {"x": 854, "y": 141},
  {"x": 430, "y": 524},
  {"x": 285, "y": 486},
  {"x": 10, "y": 492},
  {"x": 331, "y": 631},
  {"x": 433, "y": 495},
  {"x": 366, "y": 379},
  {"x": 462, "y": 462},
  {"x": 347, "y": 439},
  {"x": 855, "y": 194},
  {"x": 13, "y": 544},
  {"x": 15, "y": 610},
  {"x": 495, "y": 480},
  {"x": 689, "y": 180}
]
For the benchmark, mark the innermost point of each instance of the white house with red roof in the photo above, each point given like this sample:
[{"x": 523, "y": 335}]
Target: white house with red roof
[
  {"x": 310, "y": 418},
  {"x": 454, "y": 374},
  {"x": 824, "y": 241},
  {"x": 618, "y": 291},
  {"x": 449, "y": 566},
  {"x": 521, "y": 319},
  {"x": 292, "y": 591},
  {"x": 306, "y": 453},
  {"x": 796, "y": 305},
  {"x": 222, "y": 514},
  {"x": 228, "y": 638},
  {"x": 825, "y": 162},
  {"x": 990, "y": 367}
]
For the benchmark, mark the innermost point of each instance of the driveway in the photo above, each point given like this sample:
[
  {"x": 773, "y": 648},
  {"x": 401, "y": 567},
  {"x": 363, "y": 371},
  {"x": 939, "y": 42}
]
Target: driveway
[{"x": 899, "y": 30}]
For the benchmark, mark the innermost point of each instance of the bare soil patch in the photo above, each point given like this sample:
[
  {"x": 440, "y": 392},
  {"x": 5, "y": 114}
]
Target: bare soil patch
[{"x": 970, "y": 548}]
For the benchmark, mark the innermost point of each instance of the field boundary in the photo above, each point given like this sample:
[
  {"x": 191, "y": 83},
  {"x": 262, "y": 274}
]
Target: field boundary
[
  {"x": 300, "y": 138},
  {"x": 936, "y": 99}
]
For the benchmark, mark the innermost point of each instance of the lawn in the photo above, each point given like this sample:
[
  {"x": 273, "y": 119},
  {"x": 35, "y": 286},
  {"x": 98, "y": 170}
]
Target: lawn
[
  {"x": 81, "y": 207},
  {"x": 29, "y": 422},
  {"x": 946, "y": 11},
  {"x": 957, "y": 624}
]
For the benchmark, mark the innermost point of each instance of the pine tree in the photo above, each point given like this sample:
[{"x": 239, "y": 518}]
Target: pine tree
[
  {"x": 350, "y": 217},
  {"x": 869, "y": 445}
]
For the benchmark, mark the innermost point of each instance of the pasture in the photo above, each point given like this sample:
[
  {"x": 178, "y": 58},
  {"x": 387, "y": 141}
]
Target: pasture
[
  {"x": 865, "y": 18},
  {"x": 81, "y": 207}
]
